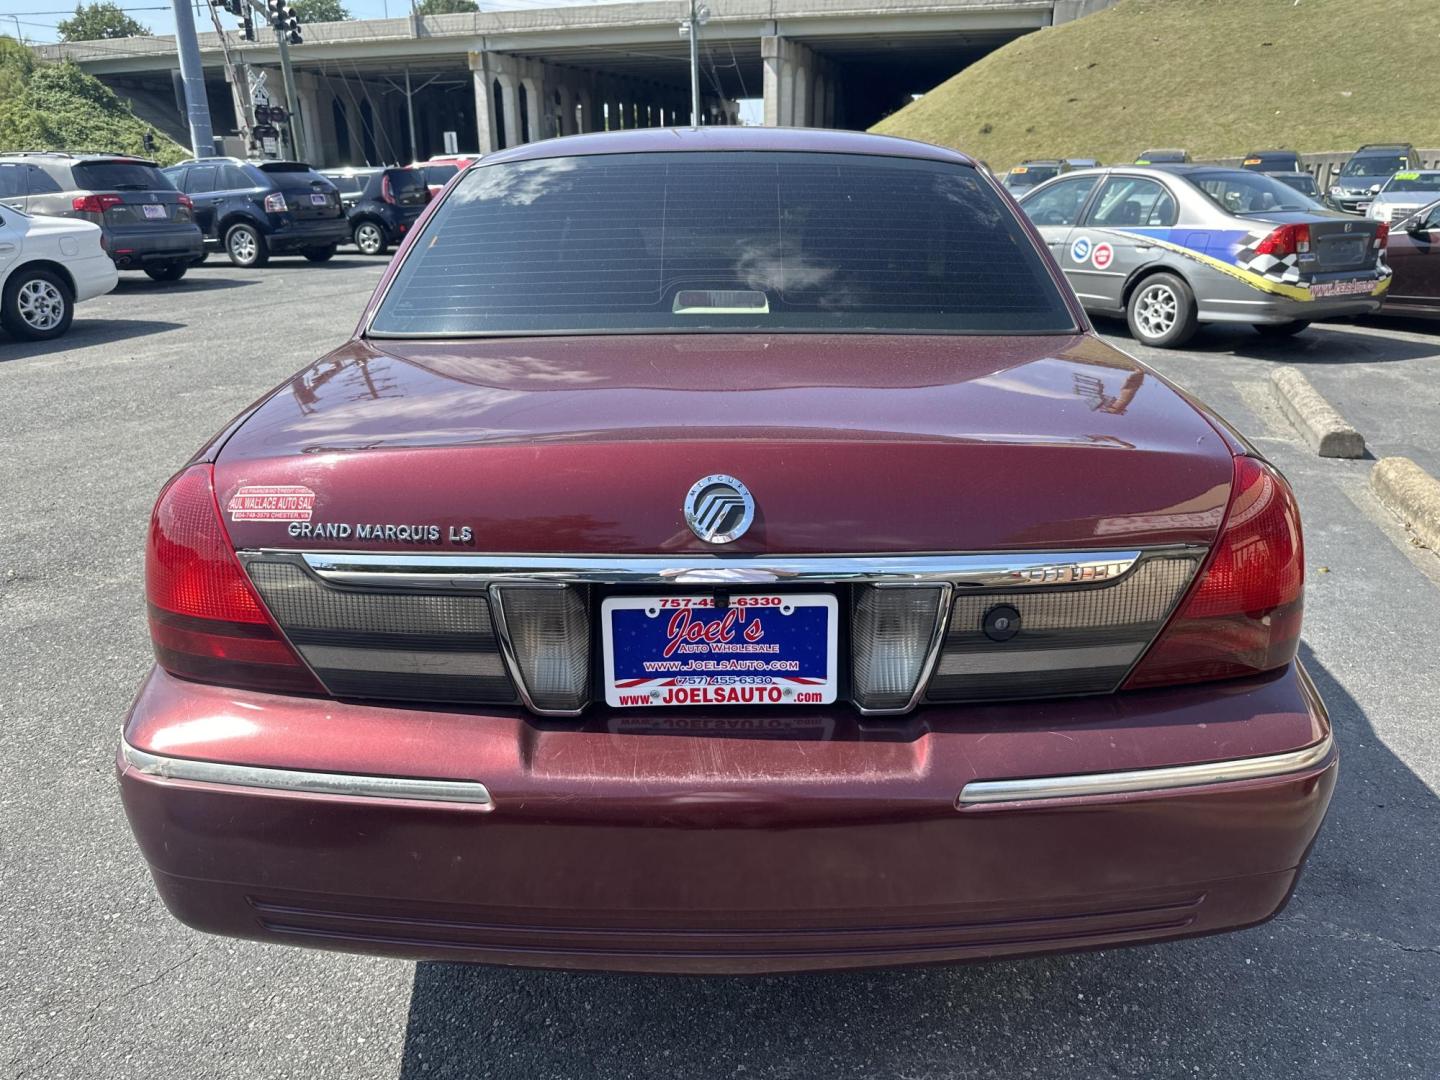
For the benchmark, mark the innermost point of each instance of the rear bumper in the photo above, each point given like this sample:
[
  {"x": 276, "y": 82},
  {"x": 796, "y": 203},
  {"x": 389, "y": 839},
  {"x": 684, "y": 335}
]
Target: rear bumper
[
  {"x": 300, "y": 235},
  {"x": 138, "y": 248},
  {"x": 843, "y": 843}
]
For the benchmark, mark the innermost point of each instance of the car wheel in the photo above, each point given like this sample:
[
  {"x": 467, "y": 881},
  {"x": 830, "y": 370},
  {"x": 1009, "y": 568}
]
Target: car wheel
[
  {"x": 173, "y": 271},
  {"x": 1281, "y": 330},
  {"x": 1162, "y": 312},
  {"x": 370, "y": 238},
  {"x": 36, "y": 305},
  {"x": 245, "y": 246},
  {"x": 324, "y": 254}
]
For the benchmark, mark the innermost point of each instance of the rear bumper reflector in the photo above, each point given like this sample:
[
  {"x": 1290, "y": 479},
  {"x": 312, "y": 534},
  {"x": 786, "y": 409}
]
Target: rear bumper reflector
[
  {"x": 1145, "y": 780},
  {"x": 311, "y": 783}
]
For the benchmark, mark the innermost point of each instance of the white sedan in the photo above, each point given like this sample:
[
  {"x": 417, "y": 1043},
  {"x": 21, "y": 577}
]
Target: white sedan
[{"x": 47, "y": 265}]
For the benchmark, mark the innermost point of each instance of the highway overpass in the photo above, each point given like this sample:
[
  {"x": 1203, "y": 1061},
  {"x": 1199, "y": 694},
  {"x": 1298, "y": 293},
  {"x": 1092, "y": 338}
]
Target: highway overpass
[{"x": 389, "y": 89}]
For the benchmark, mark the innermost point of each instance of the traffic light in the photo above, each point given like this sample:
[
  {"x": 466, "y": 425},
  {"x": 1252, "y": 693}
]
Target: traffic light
[
  {"x": 284, "y": 21},
  {"x": 234, "y": 7},
  {"x": 247, "y": 27}
]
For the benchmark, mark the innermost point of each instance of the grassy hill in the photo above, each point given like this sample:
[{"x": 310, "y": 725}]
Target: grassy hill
[
  {"x": 1218, "y": 77},
  {"x": 59, "y": 107}
]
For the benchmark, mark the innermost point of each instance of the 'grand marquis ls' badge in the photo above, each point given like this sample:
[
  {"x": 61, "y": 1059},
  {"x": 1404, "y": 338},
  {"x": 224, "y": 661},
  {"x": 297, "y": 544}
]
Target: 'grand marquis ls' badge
[{"x": 719, "y": 509}]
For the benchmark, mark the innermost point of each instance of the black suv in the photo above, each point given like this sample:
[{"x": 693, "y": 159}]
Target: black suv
[
  {"x": 381, "y": 204},
  {"x": 255, "y": 209},
  {"x": 1272, "y": 161},
  {"x": 1366, "y": 172},
  {"x": 145, "y": 224}
]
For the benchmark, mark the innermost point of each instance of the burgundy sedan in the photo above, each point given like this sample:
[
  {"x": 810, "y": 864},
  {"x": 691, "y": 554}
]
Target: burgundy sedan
[{"x": 725, "y": 551}]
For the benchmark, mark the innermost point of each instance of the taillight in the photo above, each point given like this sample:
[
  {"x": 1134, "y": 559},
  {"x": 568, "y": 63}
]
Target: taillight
[
  {"x": 1382, "y": 236},
  {"x": 275, "y": 203},
  {"x": 1285, "y": 240},
  {"x": 186, "y": 202},
  {"x": 206, "y": 621},
  {"x": 95, "y": 204},
  {"x": 387, "y": 194},
  {"x": 1243, "y": 614}
]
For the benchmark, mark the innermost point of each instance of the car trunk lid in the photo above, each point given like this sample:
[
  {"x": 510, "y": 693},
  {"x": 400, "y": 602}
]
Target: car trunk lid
[{"x": 849, "y": 443}]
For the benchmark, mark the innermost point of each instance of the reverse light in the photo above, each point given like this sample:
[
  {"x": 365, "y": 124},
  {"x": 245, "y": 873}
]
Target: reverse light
[
  {"x": 1242, "y": 616},
  {"x": 545, "y": 631},
  {"x": 206, "y": 622},
  {"x": 275, "y": 203},
  {"x": 95, "y": 204},
  {"x": 891, "y": 635},
  {"x": 1285, "y": 240}
]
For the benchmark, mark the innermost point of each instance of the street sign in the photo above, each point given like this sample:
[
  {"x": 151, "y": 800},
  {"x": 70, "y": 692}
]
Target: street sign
[{"x": 452, "y": 143}]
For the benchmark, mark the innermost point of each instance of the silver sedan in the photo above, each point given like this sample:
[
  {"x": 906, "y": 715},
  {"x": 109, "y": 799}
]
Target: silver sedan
[{"x": 1171, "y": 247}]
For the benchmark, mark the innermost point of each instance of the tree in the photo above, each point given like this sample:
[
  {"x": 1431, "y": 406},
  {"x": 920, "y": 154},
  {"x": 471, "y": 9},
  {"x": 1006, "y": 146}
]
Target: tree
[
  {"x": 98, "y": 21},
  {"x": 315, "y": 11},
  {"x": 16, "y": 64},
  {"x": 446, "y": 7}
]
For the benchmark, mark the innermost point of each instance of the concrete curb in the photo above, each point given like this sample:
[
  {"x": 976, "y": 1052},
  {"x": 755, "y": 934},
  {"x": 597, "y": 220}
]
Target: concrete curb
[
  {"x": 1327, "y": 432},
  {"x": 1412, "y": 493}
]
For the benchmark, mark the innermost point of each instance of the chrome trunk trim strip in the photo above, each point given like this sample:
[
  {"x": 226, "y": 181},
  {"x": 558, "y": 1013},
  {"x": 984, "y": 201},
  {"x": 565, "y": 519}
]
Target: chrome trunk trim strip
[
  {"x": 1006, "y": 570},
  {"x": 1144, "y": 780},
  {"x": 311, "y": 783}
]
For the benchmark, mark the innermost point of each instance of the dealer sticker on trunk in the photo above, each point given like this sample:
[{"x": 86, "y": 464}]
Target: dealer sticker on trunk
[
  {"x": 271, "y": 502},
  {"x": 685, "y": 650}
]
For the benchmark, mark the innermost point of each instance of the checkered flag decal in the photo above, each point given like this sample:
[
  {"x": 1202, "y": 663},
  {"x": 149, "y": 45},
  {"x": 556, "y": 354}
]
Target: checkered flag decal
[{"x": 1284, "y": 271}]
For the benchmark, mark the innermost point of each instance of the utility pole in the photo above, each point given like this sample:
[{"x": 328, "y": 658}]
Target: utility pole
[
  {"x": 192, "y": 75},
  {"x": 292, "y": 99},
  {"x": 690, "y": 26}
]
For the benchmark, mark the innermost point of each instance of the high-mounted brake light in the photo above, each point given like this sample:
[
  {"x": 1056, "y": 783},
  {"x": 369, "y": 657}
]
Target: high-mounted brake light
[
  {"x": 206, "y": 621},
  {"x": 1242, "y": 615},
  {"x": 95, "y": 204},
  {"x": 1285, "y": 240}
]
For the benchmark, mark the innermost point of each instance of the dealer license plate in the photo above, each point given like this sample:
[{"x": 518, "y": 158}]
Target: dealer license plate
[
  {"x": 153, "y": 211},
  {"x": 775, "y": 649}
]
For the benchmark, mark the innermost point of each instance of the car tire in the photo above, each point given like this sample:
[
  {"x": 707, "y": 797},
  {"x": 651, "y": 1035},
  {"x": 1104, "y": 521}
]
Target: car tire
[
  {"x": 246, "y": 247},
  {"x": 1161, "y": 312},
  {"x": 36, "y": 305},
  {"x": 1281, "y": 330},
  {"x": 171, "y": 271},
  {"x": 369, "y": 237},
  {"x": 324, "y": 254}
]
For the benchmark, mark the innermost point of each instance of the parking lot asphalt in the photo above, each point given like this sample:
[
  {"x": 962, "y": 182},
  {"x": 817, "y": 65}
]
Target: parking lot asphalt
[{"x": 96, "y": 980}]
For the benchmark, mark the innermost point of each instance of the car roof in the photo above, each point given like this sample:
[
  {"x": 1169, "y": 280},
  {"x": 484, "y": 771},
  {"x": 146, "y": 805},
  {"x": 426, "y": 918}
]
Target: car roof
[
  {"x": 1375, "y": 148},
  {"x": 80, "y": 155},
  {"x": 726, "y": 138},
  {"x": 1281, "y": 150}
]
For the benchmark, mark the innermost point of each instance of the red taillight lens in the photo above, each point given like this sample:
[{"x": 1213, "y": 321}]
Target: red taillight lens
[
  {"x": 1285, "y": 240},
  {"x": 95, "y": 204},
  {"x": 187, "y": 202},
  {"x": 1243, "y": 614},
  {"x": 387, "y": 194},
  {"x": 206, "y": 621},
  {"x": 1382, "y": 235}
]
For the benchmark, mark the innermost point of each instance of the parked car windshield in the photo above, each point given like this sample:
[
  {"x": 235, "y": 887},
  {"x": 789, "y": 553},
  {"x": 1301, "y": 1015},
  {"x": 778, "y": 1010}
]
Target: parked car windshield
[
  {"x": 120, "y": 176},
  {"x": 1240, "y": 192},
  {"x": 1375, "y": 165},
  {"x": 1413, "y": 182},
  {"x": 735, "y": 241},
  {"x": 1027, "y": 176}
]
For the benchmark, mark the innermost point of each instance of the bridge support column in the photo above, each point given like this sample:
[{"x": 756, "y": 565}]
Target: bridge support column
[
  {"x": 482, "y": 74},
  {"x": 799, "y": 84}
]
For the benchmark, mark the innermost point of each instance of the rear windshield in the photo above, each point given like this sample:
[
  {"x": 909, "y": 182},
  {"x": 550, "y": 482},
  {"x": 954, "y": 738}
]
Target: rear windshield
[
  {"x": 120, "y": 176},
  {"x": 722, "y": 242},
  {"x": 1376, "y": 165},
  {"x": 1414, "y": 181},
  {"x": 289, "y": 176},
  {"x": 1265, "y": 162},
  {"x": 1024, "y": 176},
  {"x": 440, "y": 174},
  {"x": 1241, "y": 192},
  {"x": 1302, "y": 182},
  {"x": 407, "y": 186},
  {"x": 349, "y": 184}
]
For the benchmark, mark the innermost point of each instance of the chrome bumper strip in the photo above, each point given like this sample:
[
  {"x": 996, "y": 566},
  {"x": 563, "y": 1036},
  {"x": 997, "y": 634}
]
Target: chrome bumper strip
[
  {"x": 312, "y": 783},
  {"x": 1143, "y": 780},
  {"x": 1006, "y": 570}
]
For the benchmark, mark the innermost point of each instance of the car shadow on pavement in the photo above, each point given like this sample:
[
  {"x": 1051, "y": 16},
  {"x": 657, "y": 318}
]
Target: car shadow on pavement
[
  {"x": 142, "y": 284},
  {"x": 1340, "y": 984},
  {"x": 1322, "y": 343},
  {"x": 82, "y": 332}
]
